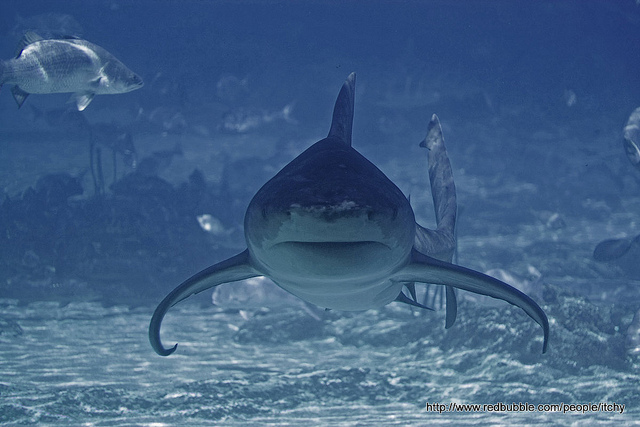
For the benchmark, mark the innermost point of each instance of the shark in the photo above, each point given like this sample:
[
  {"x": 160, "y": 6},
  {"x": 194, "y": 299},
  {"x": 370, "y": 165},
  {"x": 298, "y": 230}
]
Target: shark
[{"x": 333, "y": 230}]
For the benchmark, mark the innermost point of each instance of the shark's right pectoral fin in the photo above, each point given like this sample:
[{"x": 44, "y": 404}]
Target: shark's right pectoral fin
[
  {"x": 231, "y": 270},
  {"x": 430, "y": 270}
]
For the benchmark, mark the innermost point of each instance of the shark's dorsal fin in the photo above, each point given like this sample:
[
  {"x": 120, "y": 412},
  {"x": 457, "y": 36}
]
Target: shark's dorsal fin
[
  {"x": 343, "y": 111},
  {"x": 28, "y": 38}
]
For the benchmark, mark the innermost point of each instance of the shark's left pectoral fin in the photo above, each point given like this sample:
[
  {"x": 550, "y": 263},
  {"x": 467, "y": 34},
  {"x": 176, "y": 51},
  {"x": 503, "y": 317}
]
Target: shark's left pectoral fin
[
  {"x": 234, "y": 269},
  {"x": 82, "y": 99},
  {"x": 425, "y": 269}
]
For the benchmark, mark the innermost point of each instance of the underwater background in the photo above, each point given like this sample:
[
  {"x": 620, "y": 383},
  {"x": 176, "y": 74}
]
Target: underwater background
[{"x": 104, "y": 211}]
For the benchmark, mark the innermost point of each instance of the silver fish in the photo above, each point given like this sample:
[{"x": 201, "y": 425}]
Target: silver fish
[
  {"x": 242, "y": 120},
  {"x": 65, "y": 65}
]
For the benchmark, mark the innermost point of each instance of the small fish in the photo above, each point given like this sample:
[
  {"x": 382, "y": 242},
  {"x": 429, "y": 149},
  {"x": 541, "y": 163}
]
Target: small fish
[
  {"x": 168, "y": 120},
  {"x": 242, "y": 120},
  {"x": 212, "y": 225},
  {"x": 632, "y": 138},
  {"x": 65, "y": 65},
  {"x": 612, "y": 249}
]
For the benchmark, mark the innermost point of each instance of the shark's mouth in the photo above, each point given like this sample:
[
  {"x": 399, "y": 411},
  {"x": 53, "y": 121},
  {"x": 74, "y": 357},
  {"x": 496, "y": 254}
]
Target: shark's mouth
[
  {"x": 332, "y": 249},
  {"x": 337, "y": 260}
]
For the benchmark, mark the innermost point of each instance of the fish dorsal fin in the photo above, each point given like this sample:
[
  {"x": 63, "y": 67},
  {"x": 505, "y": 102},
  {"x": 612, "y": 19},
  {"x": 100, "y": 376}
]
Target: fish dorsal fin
[
  {"x": 28, "y": 38},
  {"x": 343, "y": 111}
]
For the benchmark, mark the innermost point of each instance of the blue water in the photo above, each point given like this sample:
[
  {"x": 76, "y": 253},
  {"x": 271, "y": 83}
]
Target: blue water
[{"x": 532, "y": 97}]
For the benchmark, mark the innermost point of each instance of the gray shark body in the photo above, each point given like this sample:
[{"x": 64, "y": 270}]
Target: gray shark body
[
  {"x": 68, "y": 65},
  {"x": 333, "y": 230}
]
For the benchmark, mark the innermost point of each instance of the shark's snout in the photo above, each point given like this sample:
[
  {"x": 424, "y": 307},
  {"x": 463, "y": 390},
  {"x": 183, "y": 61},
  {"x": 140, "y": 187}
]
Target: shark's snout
[
  {"x": 330, "y": 223},
  {"x": 342, "y": 239}
]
